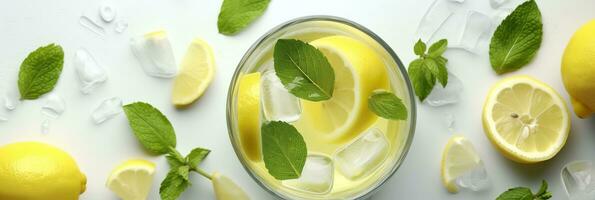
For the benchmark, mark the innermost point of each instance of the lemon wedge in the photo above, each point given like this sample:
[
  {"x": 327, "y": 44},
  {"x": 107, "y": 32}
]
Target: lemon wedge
[
  {"x": 249, "y": 114},
  {"x": 359, "y": 70},
  {"x": 132, "y": 179},
  {"x": 458, "y": 158},
  {"x": 526, "y": 119},
  {"x": 197, "y": 72}
]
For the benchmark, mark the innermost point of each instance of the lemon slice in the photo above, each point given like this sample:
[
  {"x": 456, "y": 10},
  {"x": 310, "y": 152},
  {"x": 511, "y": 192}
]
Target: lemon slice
[
  {"x": 459, "y": 157},
  {"x": 526, "y": 119},
  {"x": 359, "y": 71},
  {"x": 249, "y": 114},
  {"x": 132, "y": 179},
  {"x": 197, "y": 72}
]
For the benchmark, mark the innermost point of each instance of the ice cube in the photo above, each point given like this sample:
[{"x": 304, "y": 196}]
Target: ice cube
[
  {"x": 45, "y": 127},
  {"x": 154, "y": 52},
  {"x": 106, "y": 110},
  {"x": 317, "y": 175},
  {"x": 107, "y": 13},
  {"x": 277, "y": 102},
  {"x": 449, "y": 121},
  {"x": 91, "y": 25},
  {"x": 54, "y": 106},
  {"x": 476, "y": 179},
  {"x": 363, "y": 155},
  {"x": 578, "y": 179},
  {"x": 476, "y": 26},
  {"x": 450, "y": 94},
  {"x": 121, "y": 26},
  {"x": 89, "y": 73},
  {"x": 12, "y": 98},
  {"x": 434, "y": 18}
]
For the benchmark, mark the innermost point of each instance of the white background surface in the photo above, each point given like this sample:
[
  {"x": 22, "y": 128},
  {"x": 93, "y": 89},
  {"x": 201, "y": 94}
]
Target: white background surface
[{"x": 26, "y": 25}]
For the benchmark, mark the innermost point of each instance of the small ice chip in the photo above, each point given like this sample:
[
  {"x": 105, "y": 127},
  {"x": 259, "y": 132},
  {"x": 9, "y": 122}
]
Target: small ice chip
[
  {"x": 45, "y": 127},
  {"x": 450, "y": 94},
  {"x": 106, "y": 110},
  {"x": 363, "y": 155},
  {"x": 476, "y": 26},
  {"x": 154, "y": 52},
  {"x": 121, "y": 26},
  {"x": 277, "y": 102},
  {"x": 434, "y": 18},
  {"x": 107, "y": 13},
  {"x": 89, "y": 73},
  {"x": 91, "y": 25},
  {"x": 54, "y": 106},
  {"x": 317, "y": 175},
  {"x": 578, "y": 179},
  {"x": 449, "y": 121},
  {"x": 12, "y": 98},
  {"x": 476, "y": 179}
]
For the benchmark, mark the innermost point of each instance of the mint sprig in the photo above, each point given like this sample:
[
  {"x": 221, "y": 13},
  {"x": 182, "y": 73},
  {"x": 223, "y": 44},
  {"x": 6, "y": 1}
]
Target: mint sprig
[
  {"x": 235, "y": 15},
  {"x": 304, "y": 70},
  {"x": 40, "y": 71},
  {"x": 429, "y": 67},
  {"x": 284, "y": 150},
  {"x": 387, "y": 105},
  {"x": 156, "y": 134},
  {"x": 517, "y": 38},
  {"x": 523, "y": 193}
]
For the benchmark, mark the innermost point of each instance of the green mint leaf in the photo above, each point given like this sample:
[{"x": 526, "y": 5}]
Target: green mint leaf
[
  {"x": 419, "y": 48},
  {"x": 184, "y": 172},
  {"x": 543, "y": 194},
  {"x": 303, "y": 70},
  {"x": 173, "y": 185},
  {"x": 422, "y": 78},
  {"x": 151, "y": 127},
  {"x": 283, "y": 150},
  {"x": 174, "y": 162},
  {"x": 40, "y": 71},
  {"x": 235, "y": 15},
  {"x": 196, "y": 156},
  {"x": 517, "y": 38},
  {"x": 519, "y": 193},
  {"x": 442, "y": 75},
  {"x": 387, "y": 105},
  {"x": 438, "y": 48}
]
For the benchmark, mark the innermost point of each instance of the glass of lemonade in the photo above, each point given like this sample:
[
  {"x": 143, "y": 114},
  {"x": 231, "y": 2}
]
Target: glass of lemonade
[{"x": 351, "y": 151}]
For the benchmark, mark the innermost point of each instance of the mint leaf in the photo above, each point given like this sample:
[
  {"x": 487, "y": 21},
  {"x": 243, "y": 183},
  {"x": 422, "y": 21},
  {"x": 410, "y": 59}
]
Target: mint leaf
[
  {"x": 523, "y": 193},
  {"x": 151, "y": 127},
  {"x": 429, "y": 67},
  {"x": 517, "y": 38},
  {"x": 283, "y": 150},
  {"x": 173, "y": 161},
  {"x": 442, "y": 75},
  {"x": 419, "y": 48},
  {"x": 173, "y": 185},
  {"x": 184, "y": 172},
  {"x": 438, "y": 48},
  {"x": 235, "y": 15},
  {"x": 196, "y": 156},
  {"x": 303, "y": 70},
  {"x": 40, "y": 71},
  {"x": 422, "y": 78},
  {"x": 387, "y": 105}
]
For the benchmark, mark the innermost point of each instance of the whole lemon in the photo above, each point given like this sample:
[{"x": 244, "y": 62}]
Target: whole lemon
[
  {"x": 36, "y": 171},
  {"x": 578, "y": 70}
]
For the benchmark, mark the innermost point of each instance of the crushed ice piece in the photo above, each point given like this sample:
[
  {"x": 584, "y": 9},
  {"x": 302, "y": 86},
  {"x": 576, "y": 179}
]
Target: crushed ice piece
[
  {"x": 155, "y": 54},
  {"x": 578, "y": 179},
  {"x": 12, "y": 98},
  {"x": 433, "y": 19},
  {"x": 107, "y": 13},
  {"x": 121, "y": 26},
  {"x": 45, "y": 127},
  {"x": 476, "y": 26},
  {"x": 54, "y": 106},
  {"x": 277, "y": 103},
  {"x": 317, "y": 175},
  {"x": 91, "y": 25},
  {"x": 476, "y": 179},
  {"x": 89, "y": 73},
  {"x": 106, "y": 110},
  {"x": 363, "y": 155},
  {"x": 450, "y": 94},
  {"x": 449, "y": 120}
]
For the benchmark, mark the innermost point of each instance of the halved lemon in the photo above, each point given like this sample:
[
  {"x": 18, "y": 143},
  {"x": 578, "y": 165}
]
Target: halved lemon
[
  {"x": 197, "y": 72},
  {"x": 526, "y": 119},
  {"x": 459, "y": 157},
  {"x": 359, "y": 70},
  {"x": 249, "y": 114},
  {"x": 132, "y": 179}
]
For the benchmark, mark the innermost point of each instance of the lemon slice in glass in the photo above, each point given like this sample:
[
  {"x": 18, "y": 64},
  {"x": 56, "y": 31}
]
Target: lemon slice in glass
[
  {"x": 359, "y": 71},
  {"x": 132, "y": 179},
  {"x": 459, "y": 159},
  {"x": 249, "y": 115},
  {"x": 526, "y": 119},
  {"x": 197, "y": 72}
]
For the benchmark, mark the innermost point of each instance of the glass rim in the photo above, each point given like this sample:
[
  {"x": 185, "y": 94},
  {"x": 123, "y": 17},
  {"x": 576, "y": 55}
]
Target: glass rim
[{"x": 412, "y": 119}]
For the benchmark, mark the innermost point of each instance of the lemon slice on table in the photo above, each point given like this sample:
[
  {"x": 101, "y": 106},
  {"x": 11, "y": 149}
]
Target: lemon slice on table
[
  {"x": 459, "y": 157},
  {"x": 526, "y": 119},
  {"x": 249, "y": 114},
  {"x": 359, "y": 70},
  {"x": 132, "y": 179},
  {"x": 197, "y": 72}
]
